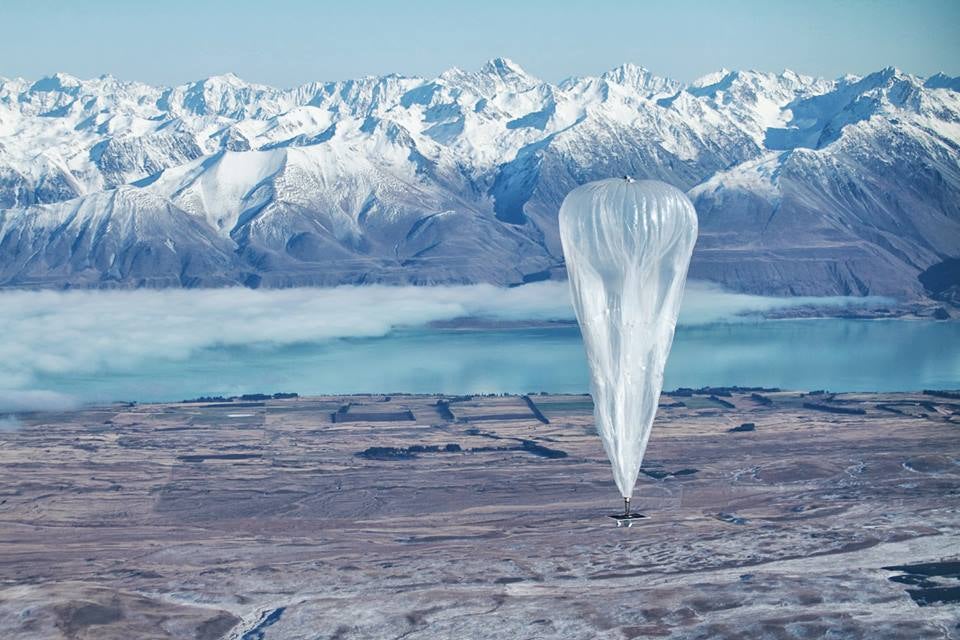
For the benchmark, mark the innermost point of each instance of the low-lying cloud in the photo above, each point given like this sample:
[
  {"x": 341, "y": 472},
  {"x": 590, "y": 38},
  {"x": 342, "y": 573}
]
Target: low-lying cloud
[{"x": 78, "y": 333}]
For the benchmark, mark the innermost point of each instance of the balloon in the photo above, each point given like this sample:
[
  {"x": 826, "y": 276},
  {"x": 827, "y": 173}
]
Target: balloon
[{"x": 627, "y": 246}]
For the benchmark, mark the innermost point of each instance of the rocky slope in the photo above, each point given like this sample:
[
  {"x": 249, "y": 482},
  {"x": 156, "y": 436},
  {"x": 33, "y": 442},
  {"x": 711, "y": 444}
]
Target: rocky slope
[{"x": 803, "y": 186}]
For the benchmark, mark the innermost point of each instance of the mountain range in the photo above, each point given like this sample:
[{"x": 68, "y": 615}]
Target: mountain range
[{"x": 803, "y": 186}]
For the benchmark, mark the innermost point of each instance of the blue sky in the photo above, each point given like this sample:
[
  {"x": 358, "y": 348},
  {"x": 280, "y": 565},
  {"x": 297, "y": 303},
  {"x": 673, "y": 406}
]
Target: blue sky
[{"x": 287, "y": 42}]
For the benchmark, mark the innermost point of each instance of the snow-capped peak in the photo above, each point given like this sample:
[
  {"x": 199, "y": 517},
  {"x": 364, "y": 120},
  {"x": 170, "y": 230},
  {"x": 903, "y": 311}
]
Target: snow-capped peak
[
  {"x": 711, "y": 78},
  {"x": 503, "y": 67},
  {"x": 641, "y": 80},
  {"x": 229, "y": 78},
  {"x": 456, "y": 178},
  {"x": 943, "y": 81},
  {"x": 56, "y": 82}
]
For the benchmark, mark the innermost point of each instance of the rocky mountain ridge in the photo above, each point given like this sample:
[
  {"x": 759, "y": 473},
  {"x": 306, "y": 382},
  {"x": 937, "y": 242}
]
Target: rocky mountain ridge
[{"x": 803, "y": 186}]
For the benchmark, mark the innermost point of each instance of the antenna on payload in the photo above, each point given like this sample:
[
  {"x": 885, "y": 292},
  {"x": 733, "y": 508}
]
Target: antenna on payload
[{"x": 626, "y": 518}]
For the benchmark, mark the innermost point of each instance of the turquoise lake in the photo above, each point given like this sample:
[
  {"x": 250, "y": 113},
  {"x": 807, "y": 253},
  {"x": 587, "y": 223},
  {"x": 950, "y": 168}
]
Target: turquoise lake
[{"x": 833, "y": 354}]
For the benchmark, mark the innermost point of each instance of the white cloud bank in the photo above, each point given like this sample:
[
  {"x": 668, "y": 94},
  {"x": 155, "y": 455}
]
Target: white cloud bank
[{"x": 85, "y": 332}]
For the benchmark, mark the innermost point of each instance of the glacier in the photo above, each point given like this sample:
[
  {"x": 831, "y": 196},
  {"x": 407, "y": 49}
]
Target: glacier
[{"x": 803, "y": 186}]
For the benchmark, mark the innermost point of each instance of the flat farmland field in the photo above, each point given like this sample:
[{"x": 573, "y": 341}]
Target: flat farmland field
[{"x": 782, "y": 515}]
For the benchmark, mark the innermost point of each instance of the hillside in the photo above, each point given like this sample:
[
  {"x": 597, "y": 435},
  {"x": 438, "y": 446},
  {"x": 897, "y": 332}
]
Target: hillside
[{"x": 803, "y": 186}]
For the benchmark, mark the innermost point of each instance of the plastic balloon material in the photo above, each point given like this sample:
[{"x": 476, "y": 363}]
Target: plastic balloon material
[{"x": 627, "y": 246}]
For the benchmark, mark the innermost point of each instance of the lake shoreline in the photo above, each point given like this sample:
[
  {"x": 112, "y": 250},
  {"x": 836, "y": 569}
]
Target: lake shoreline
[
  {"x": 483, "y": 355},
  {"x": 815, "y": 399},
  {"x": 913, "y": 312}
]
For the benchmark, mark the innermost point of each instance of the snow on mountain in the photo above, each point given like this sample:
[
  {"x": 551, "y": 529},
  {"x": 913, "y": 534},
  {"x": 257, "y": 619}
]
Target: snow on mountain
[
  {"x": 802, "y": 185},
  {"x": 861, "y": 189}
]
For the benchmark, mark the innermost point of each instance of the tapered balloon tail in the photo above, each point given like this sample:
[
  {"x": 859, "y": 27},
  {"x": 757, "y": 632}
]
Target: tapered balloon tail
[{"x": 627, "y": 518}]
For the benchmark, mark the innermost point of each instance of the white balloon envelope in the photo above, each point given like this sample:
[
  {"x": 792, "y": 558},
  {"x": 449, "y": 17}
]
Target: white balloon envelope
[{"x": 627, "y": 246}]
